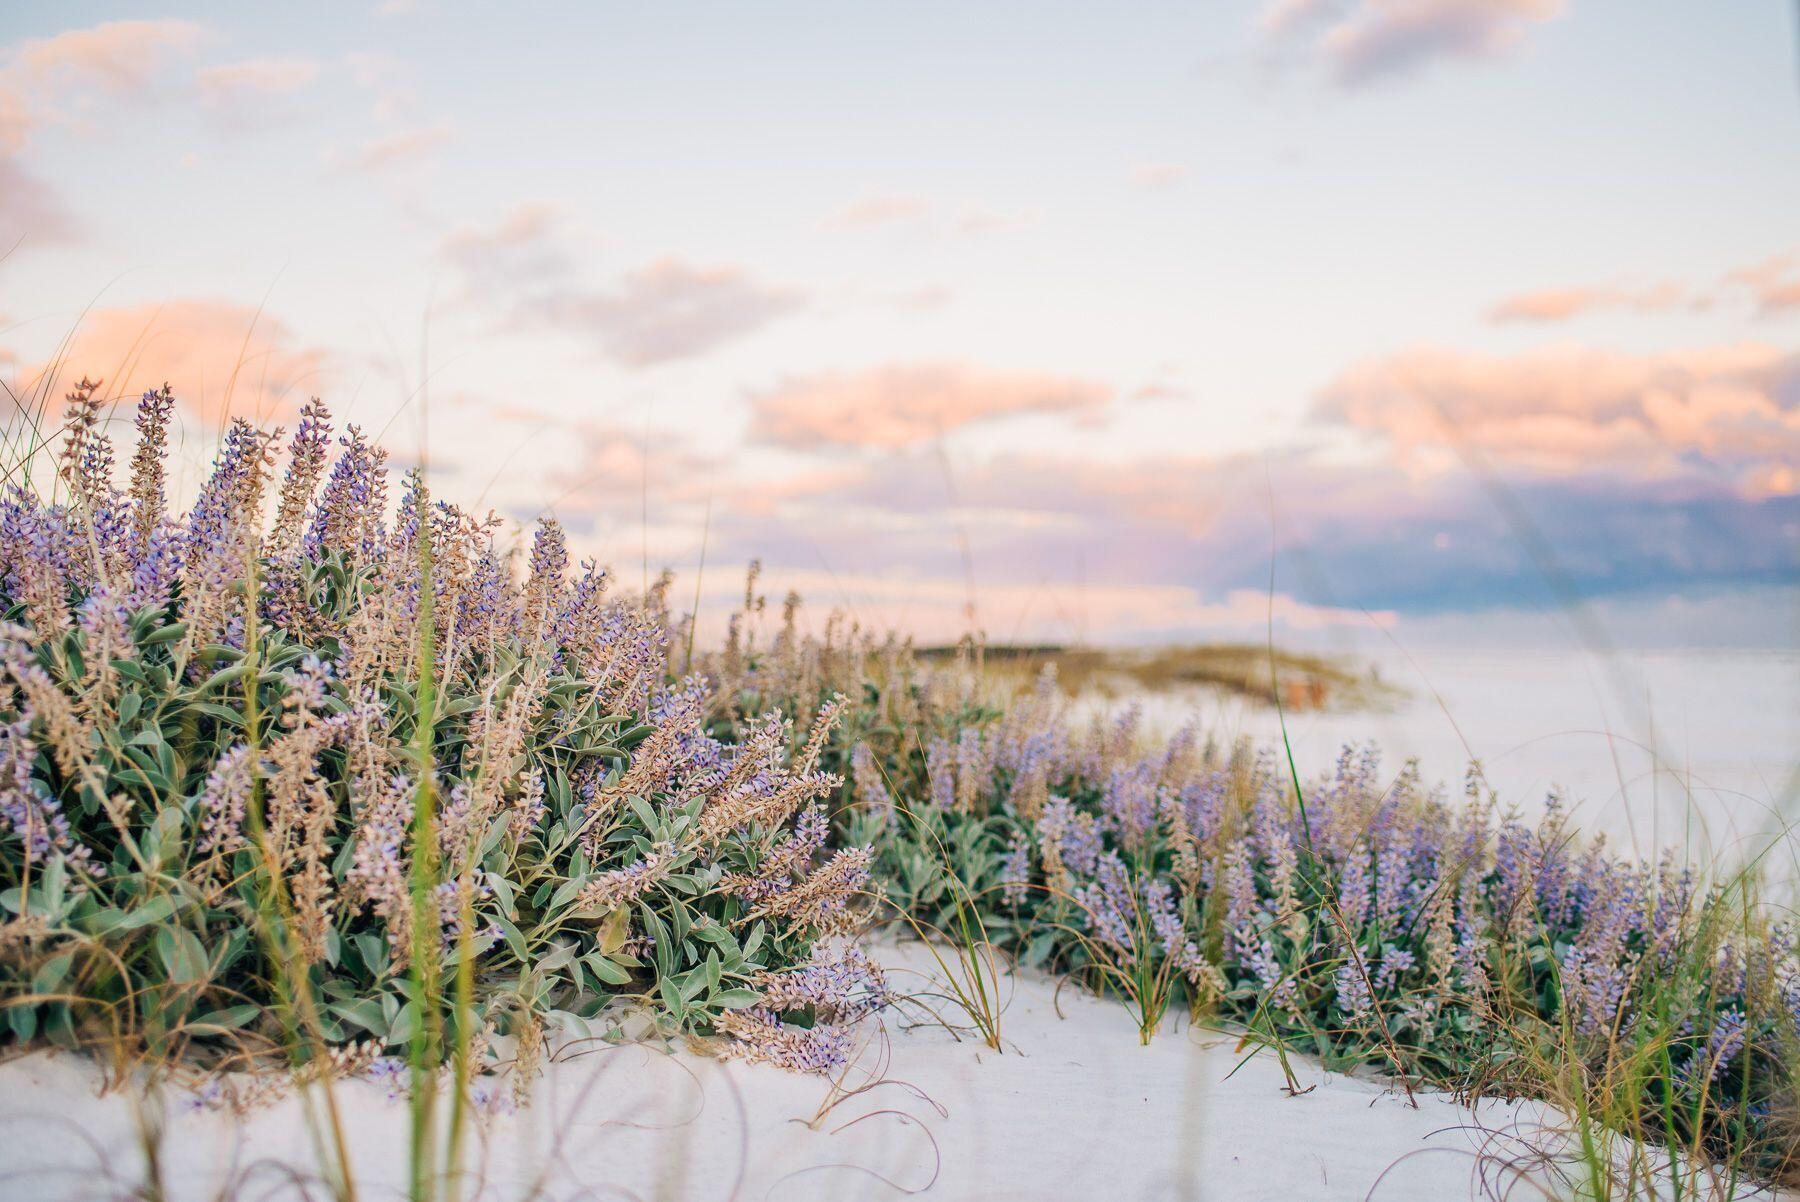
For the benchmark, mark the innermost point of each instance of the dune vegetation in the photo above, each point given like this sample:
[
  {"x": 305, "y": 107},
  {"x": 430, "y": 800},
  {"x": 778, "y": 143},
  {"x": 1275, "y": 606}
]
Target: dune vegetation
[{"x": 301, "y": 782}]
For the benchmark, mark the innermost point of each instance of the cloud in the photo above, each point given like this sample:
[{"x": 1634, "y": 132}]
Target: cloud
[
  {"x": 1728, "y": 415},
  {"x": 659, "y": 312},
  {"x": 1068, "y": 544},
  {"x": 1344, "y": 535},
  {"x": 1562, "y": 304},
  {"x": 31, "y": 211},
  {"x": 904, "y": 405},
  {"x": 667, "y": 310},
  {"x": 268, "y": 76},
  {"x": 881, "y": 209},
  {"x": 121, "y": 57},
  {"x": 1158, "y": 177},
  {"x": 221, "y": 358},
  {"x": 1365, "y": 41},
  {"x": 391, "y": 81},
  {"x": 527, "y": 249},
  {"x": 621, "y": 476},
  {"x": 395, "y": 149},
  {"x": 39, "y": 78},
  {"x": 1773, "y": 285}
]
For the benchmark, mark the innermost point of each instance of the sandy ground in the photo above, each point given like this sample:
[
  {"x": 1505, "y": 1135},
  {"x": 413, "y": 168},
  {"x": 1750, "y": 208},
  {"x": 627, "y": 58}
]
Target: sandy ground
[{"x": 1074, "y": 1109}]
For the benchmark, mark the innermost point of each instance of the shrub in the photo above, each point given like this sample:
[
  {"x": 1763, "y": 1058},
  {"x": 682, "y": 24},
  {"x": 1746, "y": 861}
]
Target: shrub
[
  {"x": 1363, "y": 917},
  {"x": 330, "y": 783}
]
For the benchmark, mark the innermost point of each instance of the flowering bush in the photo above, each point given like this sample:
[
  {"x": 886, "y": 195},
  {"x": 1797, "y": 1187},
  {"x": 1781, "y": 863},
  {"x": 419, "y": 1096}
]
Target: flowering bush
[
  {"x": 269, "y": 783},
  {"x": 1362, "y": 917}
]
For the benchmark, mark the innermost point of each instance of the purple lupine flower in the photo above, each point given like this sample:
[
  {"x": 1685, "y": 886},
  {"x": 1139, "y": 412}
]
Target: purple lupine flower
[
  {"x": 1129, "y": 799},
  {"x": 1015, "y": 871},
  {"x": 1241, "y": 897},
  {"x": 489, "y": 1096},
  {"x": 1165, "y": 920},
  {"x": 1394, "y": 962},
  {"x": 1724, "y": 1042},
  {"x": 347, "y": 516},
  {"x": 222, "y": 802},
  {"x": 1393, "y": 882},
  {"x": 758, "y": 1034},
  {"x": 621, "y": 886},
  {"x": 1354, "y": 898},
  {"x": 210, "y": 1095},
  {"x": 27, "y": 810},
  {"x": 1110, "y": 905},
  {"x": 105, "y": 626},
  {"x": 1353, "y": 996},
  {"x": 1076, "y": 836},
  {"x": 838, "y": 981},
  {"x": 940, "y": 773},
  {"x": 391, "y": 1072},
  {"x": 872, "y": 794},
  {"x": 1204, "y": 800},
  {"x": 158, "y": 567}
]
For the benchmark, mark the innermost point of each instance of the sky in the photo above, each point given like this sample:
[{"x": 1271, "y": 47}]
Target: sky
[{"x": 1104, "y": 323}]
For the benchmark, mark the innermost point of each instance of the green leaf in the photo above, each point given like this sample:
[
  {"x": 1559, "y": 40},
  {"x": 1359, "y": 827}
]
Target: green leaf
[
  {"x": 365, "y": 1012},
  {"x": 608, "y": 971},
  {"x": 155, "y": 910},
  {"x": 51, "y": 973},
  {"x": 645, "y": 814},
  {"x": 736, "y": 999},
  {"x": 566, "y": 892},
  {"x": 406, "y": 1024},
  {"x": 182, "y": 954},
  {"x": 671, "y": 997},
  {"x": 614, "y": 929},
  {"x": 228, "y": 1019},
  {"x": 691, "y": 984},
  {"x": 663, "y": 948},
  {"x": 221, "y": 713}
]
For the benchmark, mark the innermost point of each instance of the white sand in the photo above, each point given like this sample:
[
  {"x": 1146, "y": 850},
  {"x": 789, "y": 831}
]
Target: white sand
[{"x": 1074, "y": 1109}]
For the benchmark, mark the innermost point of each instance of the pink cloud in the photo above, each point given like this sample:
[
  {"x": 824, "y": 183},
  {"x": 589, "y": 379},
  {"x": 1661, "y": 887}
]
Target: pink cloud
[
  {"x": 1773, "y": 285},
  {"x": 395, "y": 149},
  {"x": 268, "y": 76},
  {"x": 616, "y": 471},
  {"x": 1363, "y": 41},
  {"x": 1157, "y": 177},
  {"x": 31, "y": 212},
  {"x": 882, "y": 209},
  {"x": 528, "y": 248},
  {"x": 222, "y": 359},
  {"x": 123, "y": 57},
  {"x": 1562, "y": 304},
  {"x": 667, "y": 310},
  {"x": 37, "y": 80},
  {"x": 660, "y": 312},
  {"x": 904, "y": 405},
  {"x": 1732, "y": 411}
]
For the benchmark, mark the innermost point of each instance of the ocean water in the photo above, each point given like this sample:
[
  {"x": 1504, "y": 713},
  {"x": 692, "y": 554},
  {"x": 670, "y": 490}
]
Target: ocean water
[{"x": 1698, "y": 750}]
